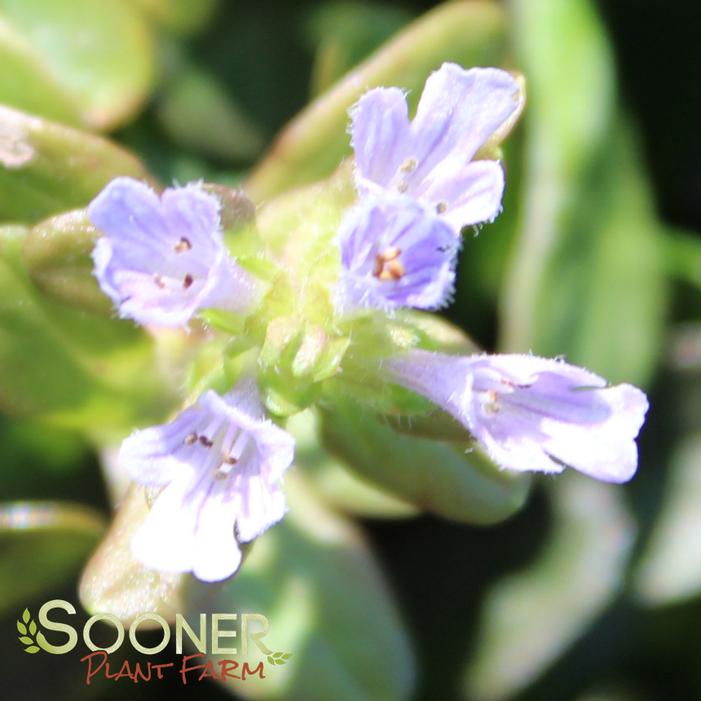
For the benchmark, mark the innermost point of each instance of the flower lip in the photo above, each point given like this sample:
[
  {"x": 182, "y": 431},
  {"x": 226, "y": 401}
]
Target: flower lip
[
  {"x": 220, "y": 465},
  {"x": 160, "y": 259},
  {"x": 395, "y": 253}
]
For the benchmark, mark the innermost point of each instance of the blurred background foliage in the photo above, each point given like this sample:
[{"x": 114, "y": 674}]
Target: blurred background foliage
[{"x": 587, "y": 592}]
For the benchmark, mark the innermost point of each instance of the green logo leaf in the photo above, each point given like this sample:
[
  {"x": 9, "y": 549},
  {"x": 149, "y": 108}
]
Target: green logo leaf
[
  {"x": 27, "y": 629},
  {"x": 278, "y": 658}
]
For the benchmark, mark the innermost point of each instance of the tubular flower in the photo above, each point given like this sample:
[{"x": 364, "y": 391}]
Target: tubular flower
[
  {"x": 163, "y": 258},
  {"x": 219, "y": 464},
  {"x": 532, "y": 413}
]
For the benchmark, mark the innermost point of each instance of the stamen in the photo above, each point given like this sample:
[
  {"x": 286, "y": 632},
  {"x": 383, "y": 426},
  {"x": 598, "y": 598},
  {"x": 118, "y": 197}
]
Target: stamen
[
  {"x": 187, "y": 281},
  {"x": 225, "y": 468},
  {"x": 409, "y": 166},
  {"x": 393, "y": 271},
  {"x": 158, "y": 281},
  {"x": 190, "y": 438},
  {"x": 206, "y": 442},
  {"x": 491, "y": 406},
  {"x": 402, "y": 186},
  {"x": 387, "y": 265},
  {"x": 182, "y": 245},
  {"x": 441, "y": 207}
]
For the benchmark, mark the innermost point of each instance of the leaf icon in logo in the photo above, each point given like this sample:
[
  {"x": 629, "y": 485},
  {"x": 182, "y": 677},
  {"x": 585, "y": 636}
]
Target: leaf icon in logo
[
  {"x": 27, "y": 629},
  {"x": 278, "y": 658}
]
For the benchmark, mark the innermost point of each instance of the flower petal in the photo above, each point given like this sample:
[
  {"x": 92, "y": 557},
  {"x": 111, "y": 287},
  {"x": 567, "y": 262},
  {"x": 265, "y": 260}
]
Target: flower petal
[
  {"x": 153, "y": 455},
  {"x": 472, "y": 193},
  {"x": 460, "y": 109},
  {"x": 379, "y": 134},
  {"x": 217, "y": 554},
  {"x": 166, "y": 539}
]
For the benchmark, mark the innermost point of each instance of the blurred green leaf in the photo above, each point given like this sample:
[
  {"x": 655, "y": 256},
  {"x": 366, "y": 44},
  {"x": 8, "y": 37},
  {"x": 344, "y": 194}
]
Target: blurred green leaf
[
  {"x": 200, "y": 116},
  {"x": 46, "y": 168},
  {"x": 182, "y": 16},
  {"x": 670, "y": 566},
  {"x": 333, "y": 481},
  {"x": 683, "y": 256},
  {"x": 57, "y": 255},
  {"x": 588, "y": 264},
  {"x": 531, "y": 618},
  {"x": 96, "y": 56},
  {"x": 43, "y": 544},
  {"x": 344, "y": 33},
  {"x": 570, "y": 86},
  {"x": 315, "y": 142},
  {"x": 447, "y": 479},
  {"x": 314, "y": 579},
  {"x": 25, "y": 83},
  {"x": 66, "y": 365}
]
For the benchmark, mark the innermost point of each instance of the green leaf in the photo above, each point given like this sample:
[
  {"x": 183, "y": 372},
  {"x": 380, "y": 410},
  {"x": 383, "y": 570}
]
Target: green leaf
[
  {"x": 26, "y": 640},
  {"x": 333, "y": 480},
  {"x": 670, "y": 567},
  {"x": 57, "y": 253},
  {"x": 46, "y": 168},
  {"x": 588, "y": 263},
  {"x": 182, "y": 16},
  {"x": 447, "y": 479},
  {"x": 43, "y": 545},
  {"x": 93, "y": 59},
  {"x": 532, "y": 616},
  {"x": 315, "y": 142},
  {"x": 32, "y": 649},
  {"x": 25, "y": 82},
  {"x": 21, "y": 628},
  {"x": 32, "y": 628},
  {"x": 66, "y": 365},
  {"x": 344, "y": 33},
  {"x": 199, "y": 115},
  {"x": 314, "y": 579}
]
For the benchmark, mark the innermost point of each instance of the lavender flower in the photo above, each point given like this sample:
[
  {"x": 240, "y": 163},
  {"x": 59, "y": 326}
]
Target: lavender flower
[
  {"x": 220, "y": 463},
  {"x": 532, "y": 413},
  {"x": 395, "y": 253},
  {"x": 430, "y": 158},
  {"x": 162, "y": 259}
]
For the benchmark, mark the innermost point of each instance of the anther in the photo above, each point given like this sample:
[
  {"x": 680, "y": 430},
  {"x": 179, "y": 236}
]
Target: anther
[
  {"x": 206, "y": 442},
  {"x": 187, "y": 281},
  {"x": 394, "y": 270},
  {"x": 441, "y": 207},
  {"x": 491, "y": 406},
  {"x": 409, "y": 166},
  {"x": 190, "y": 438},
  {"x": 182, "y": 245},
  {"x": 402, "y": 186},
  {"x": 387, "y": 265},
  {"x": 158, "y": 281},
  {"x": 230, "y": 460}
]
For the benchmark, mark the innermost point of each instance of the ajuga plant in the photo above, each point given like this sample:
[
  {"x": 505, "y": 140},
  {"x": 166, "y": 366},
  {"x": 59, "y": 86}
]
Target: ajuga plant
[{"x": 332, "y": 312}]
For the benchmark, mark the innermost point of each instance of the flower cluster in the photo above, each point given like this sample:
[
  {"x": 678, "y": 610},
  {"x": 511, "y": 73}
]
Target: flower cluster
[{"x": 219, "y": 464}]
